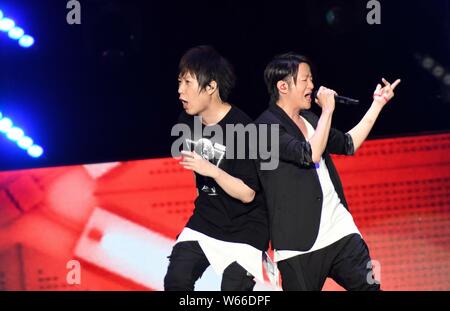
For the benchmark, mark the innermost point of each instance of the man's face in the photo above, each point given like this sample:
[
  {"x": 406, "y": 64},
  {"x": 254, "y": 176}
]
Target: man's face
[
  {"x": 194, "y": 101},
  {"x": 301, "y": 91}
]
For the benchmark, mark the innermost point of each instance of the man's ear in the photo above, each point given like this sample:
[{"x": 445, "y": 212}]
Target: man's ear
[
  {"x": 211, "y": 87},
  {"x": 282, "y": 86}
]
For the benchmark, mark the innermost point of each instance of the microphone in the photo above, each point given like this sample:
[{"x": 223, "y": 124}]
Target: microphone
[{"x": 341, "y": 99}]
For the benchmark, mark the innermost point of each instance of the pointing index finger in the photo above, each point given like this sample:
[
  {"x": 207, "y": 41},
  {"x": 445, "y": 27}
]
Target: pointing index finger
[
  {"x": 386, "y": 83},
  {"x": 396, "y": 83}
]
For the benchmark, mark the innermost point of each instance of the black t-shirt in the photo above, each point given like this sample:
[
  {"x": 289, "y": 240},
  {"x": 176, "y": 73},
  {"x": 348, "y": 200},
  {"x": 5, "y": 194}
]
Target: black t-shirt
[{"x": 216, "y": 213}]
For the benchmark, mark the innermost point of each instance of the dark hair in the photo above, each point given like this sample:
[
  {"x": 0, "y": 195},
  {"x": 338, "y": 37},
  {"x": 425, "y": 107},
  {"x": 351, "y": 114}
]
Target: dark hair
[
  {"x": 207, "y": 65},
  {"x": 282, "y": 67}
]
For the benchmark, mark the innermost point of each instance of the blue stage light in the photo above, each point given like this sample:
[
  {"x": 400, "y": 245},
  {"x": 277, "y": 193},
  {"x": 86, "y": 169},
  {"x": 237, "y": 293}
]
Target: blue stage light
[
  {"x": 6, "y": 24},
  {"x": 25, "y": 142},
  {"x": 26, "y": 41},
  {"x": 18, "y": 136},
  {"x": 5, "y": 125},
  {"x": 15, "y": 133},
  {"x": 16, "y": 33},
  {"x": 35, "y": 151}
]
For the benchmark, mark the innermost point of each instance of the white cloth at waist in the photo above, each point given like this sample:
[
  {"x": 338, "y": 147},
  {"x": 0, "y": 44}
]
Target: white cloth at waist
[{"x": 221, "y": 254}]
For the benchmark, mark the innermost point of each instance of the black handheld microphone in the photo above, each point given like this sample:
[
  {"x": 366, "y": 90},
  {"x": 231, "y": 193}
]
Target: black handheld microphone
[{"x": 341, "y": 99}]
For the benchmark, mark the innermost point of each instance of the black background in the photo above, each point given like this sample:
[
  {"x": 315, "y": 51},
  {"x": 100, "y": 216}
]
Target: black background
[{"x": 106, "y": 90}]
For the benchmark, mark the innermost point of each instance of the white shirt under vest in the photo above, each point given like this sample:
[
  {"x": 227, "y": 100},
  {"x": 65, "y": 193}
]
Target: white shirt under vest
[{"x": 336, "y": 221}]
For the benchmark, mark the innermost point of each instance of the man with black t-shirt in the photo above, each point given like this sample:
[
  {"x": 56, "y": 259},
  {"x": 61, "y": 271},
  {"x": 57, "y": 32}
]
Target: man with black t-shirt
[{"x": 228, "y": 229}]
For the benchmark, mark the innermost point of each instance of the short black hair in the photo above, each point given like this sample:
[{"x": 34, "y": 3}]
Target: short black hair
[
  {"x": 282, "y": 67},
  {"x": 207, "y": 65}
]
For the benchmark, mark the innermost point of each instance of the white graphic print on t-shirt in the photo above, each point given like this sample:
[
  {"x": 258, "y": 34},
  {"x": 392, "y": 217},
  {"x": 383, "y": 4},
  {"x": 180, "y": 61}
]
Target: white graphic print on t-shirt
[{"x": 213, "y": 153}]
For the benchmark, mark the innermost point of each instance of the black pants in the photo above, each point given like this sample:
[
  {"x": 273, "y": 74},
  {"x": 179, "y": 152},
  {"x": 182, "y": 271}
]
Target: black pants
[
  {"x": 346, "y": 261},
  {"x": 187, "y": 264}
]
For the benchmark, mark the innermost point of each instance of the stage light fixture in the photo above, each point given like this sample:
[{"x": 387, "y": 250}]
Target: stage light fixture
[
  {"x": 17, "y": 135},
  {"x": 14, "y": 32}
]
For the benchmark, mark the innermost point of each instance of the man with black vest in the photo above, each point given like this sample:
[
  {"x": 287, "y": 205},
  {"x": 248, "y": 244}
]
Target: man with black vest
[{"x": 312, "y": 231}]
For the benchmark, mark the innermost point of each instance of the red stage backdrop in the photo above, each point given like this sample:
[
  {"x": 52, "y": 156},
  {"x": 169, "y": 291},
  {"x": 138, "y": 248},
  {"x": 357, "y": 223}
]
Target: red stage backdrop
[{"x": 111, "y": 226}]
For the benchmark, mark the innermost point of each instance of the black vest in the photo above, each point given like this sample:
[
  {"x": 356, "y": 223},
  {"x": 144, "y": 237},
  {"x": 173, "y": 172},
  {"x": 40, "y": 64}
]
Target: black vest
[{"x": 293, "y": 192}]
